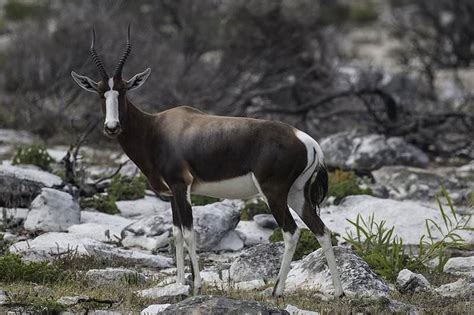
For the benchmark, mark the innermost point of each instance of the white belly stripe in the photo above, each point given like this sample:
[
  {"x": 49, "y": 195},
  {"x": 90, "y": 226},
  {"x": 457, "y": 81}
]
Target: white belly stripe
[{"x": 241, "y": 187}]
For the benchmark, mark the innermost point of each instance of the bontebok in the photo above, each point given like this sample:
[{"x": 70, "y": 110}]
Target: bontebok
[{"x": 183, "y": 151}]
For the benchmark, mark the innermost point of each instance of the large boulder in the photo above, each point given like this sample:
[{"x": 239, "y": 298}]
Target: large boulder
[
  {"x": 357, "y": 278},
  {"x": 408, "y": 217},
  {"x": 462, "y": 288},
  {"x": 404, "y": 182},
  {"x": 214, "y": 305},
  {"x": 258, "y": 262},
  {"x": 52, "y": 211},
  {"x": 349, "y": 150},
  {"x": 20, "y": 185},
  {"x": 252, "y": 233},
  {"x": 49, "y": 245},
  {"x": 212, "y": 222}
]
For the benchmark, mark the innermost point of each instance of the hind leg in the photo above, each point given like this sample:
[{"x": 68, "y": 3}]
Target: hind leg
[
  {"x": 315, "y": 224},
  {"x": 277, "y": 203}
]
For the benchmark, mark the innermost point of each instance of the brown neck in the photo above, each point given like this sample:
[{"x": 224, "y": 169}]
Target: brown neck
[{"x": 136, "y": 127}]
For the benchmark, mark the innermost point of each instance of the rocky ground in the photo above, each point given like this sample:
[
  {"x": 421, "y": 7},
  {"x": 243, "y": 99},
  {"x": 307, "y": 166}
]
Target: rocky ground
[{"x": 116, "y": 263}]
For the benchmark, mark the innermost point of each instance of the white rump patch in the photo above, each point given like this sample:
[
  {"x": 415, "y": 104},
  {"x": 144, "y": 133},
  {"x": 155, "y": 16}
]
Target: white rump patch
[
  {"x": 296, "y": 194},
  {"x": 241, "y": 187},
  {"x": 111, "y": 106}
]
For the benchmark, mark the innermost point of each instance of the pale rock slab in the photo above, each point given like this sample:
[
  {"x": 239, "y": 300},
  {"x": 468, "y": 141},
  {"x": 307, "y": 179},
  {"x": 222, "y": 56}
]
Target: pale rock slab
[
  {"x": 358, "y": 280},
  {"x": 258, "y": 262},
  {"x": 52, "y": 211},
  {"x": 408, "y": 217}
]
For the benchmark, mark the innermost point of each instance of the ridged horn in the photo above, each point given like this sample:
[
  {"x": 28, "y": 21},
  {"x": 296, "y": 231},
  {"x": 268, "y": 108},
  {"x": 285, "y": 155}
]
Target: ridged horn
[
  {"x": 128, "y": 48},
  {"x": 97, "y": 60}
]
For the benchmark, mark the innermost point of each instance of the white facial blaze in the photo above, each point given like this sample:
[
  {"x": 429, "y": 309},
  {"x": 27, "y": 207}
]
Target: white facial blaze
[{"x": 111, "y": 107}]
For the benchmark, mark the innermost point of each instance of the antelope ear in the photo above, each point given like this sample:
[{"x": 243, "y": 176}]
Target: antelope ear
[
  {"x": 85, "y": 82},
  {"x": 138, "y": 80}
]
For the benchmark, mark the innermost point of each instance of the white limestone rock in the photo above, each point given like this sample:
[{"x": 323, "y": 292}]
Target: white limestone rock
[
  {"x": 145, "y": 206},
  {"x": 114, "y": 276},
  {"x": 52, "y": 211},
  {"x": 408, "y": 217},
  {"x": 460, "y": 265},
  {"x": 462, "y": 288},
  {"x": 408, "y": 281},
  {"x": 369, "y": 152},
  {"x": 357, "y": 278},
  {"x": 230, "y": 242},
  {"x": 258, "y": 262},
  {"x": 154, "y": 309},
  {"x": 252, "y": 233},
  {"x": 171, "y": 290},
  {"x": 4, "y": 298},
  {"x": 213, "y": 221},
  {"x": 24, "y": 173},
  {"x": 293, "y": 310}
]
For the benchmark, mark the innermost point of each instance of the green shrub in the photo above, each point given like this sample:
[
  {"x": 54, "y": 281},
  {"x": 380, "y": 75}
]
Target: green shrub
[
  {"x": 342, "y": 184},
  {"x": 307, "y": 242},
  {"x": 362, "y": 11},
  {"x": 13, "y": 269},
  {"x": 18, "y": 9},
  {"x": 470, "y": 200},
  {"x": 124, "y": 188},
  {"x": 34, "y": 154},
  {"x": 197, "y": 200},
  {"x": 102, "y": 203},
  {"x": 252, "y": 208},
  {"x": 385, "y": 253}
]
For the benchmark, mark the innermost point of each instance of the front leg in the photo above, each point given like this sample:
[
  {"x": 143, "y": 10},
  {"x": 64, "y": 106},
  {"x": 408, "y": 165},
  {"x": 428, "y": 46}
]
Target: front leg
[
  {"x": 182, "y": 201},
  {"x": 178, "y": 242}
]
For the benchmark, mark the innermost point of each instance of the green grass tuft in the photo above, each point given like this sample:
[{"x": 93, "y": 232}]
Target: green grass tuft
[
  {"x": 197, "y": 200},
  {"x": 34, "y": 154},
  {"x": 342, "y": 184},
  {"x": 102, "y": 203},
  {"x": 252, "y": 208}
]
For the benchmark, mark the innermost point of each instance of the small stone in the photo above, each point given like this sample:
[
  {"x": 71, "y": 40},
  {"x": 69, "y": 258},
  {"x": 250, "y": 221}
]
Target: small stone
[
  {"x": 460, "y": 265},
  {"x": 293, "y": 310},
  {"x": 252, "y": 233},
  {"x": 408, "y": 281},
  {"x": 266, "y": 221},
  {"x": 154, "y": 309},
  {"x": 4, "y": 299},
  {"x": 250, "y": 285},
  {"x": 230, "y": 242},
  {"x": 169, "y": 291},
  {"x": 113, "y": 276},
  {"x": 73, "y": 300}
]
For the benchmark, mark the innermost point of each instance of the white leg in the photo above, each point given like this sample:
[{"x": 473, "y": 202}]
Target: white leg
[
  {"x": 325, "y": 241},
  {"x": 190, "y": 240},
  {"x": 291, "y": 240},
  {"x": 179, "y": 242}
]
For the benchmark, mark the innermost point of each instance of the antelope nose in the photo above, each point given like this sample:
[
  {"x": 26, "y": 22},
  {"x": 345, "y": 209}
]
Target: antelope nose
[{"x": 112, "y": 127}]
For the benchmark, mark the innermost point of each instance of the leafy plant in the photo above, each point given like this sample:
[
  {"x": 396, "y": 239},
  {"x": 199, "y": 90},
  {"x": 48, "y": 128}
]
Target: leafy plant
[
  {"x": 379, "y": 247},
  {"x": 430, "y": 247},
  {"x": 385, "y": 253},
  {"x": 124, "y": 188},
  {"x": 252, "y": 208},
  {"x": 197, "y": 200},
  {"x": 20, "y": 9},
  {"x": 34, "y": 154},
  {"x": 307, "y": 242},
  {"x": 342, "y": 184},
  {"x": 102, "y": 203}
]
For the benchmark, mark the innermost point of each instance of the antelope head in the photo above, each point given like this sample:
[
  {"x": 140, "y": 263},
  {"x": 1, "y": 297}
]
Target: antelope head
[{"x": 112, "y": 90}]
